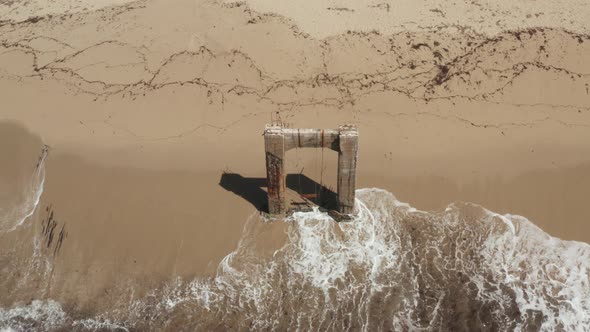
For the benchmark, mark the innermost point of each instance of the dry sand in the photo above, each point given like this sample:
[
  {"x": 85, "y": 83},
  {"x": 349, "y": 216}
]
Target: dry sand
[
  {"x": 145, "y": 105},
  {"x": 324, "y": 18}
]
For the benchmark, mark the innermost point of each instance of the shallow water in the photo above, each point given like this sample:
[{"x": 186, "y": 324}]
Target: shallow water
[{"x": 392, "y": 268}]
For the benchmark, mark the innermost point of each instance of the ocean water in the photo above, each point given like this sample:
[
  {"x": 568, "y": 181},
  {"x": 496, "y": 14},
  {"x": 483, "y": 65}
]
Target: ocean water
[{"x": 392, "y": 268}]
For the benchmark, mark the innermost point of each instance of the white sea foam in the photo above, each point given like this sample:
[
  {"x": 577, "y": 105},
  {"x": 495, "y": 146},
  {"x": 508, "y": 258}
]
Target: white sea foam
[
  {"x": 39, "y": 315},
  {"x": 49, "y": 315},
  {"x": 512, "y": 266},
  {"x": 392, "y": 267}
]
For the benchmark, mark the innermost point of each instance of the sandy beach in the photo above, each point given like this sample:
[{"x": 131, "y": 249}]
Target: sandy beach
[{"x": 145, "y": 108}]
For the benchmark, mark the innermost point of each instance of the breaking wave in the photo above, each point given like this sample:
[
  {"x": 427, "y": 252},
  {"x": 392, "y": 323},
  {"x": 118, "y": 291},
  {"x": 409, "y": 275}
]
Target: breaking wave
[
  {"x": 13, "y": 217},
  {"x": 392, "y": 268}
]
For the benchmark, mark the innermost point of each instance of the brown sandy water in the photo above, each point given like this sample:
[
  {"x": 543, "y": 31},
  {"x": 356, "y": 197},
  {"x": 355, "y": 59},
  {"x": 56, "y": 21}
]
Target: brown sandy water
[{"x": 132, "y": 170}]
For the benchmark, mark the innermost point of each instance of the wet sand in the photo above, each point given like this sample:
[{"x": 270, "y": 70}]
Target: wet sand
[{"x": 145, "y": 106}]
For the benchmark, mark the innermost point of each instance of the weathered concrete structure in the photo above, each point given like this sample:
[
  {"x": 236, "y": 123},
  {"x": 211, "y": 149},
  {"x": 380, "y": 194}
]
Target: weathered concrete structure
[{"x": 278, "y": 140}]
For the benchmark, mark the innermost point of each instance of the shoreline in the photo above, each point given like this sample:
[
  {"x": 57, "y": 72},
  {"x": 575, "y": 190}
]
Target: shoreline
[{"x": 145, "y": 107}]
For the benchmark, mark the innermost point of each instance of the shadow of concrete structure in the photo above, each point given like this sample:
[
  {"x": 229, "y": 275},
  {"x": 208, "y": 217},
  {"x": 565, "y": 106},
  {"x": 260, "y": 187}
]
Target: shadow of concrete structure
[{"x": 251, "y": 189}]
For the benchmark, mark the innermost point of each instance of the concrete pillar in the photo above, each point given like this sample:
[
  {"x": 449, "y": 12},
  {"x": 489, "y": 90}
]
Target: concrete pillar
[
  {"x": 278, "y": 140},
  {"x": 347, "y": 156},
  {"x": 274, "y": 144}
]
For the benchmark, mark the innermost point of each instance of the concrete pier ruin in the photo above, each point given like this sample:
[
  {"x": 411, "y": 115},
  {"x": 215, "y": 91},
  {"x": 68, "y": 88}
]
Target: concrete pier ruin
[{"x": 278, "y": 140}]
